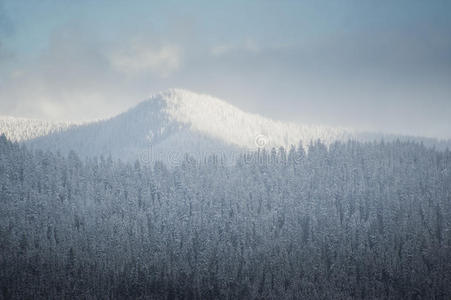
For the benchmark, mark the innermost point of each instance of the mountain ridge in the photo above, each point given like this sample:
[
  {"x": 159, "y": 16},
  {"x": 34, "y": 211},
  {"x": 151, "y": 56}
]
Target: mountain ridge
[
  {"x": 174, "y": 122},
  {"x": 21, "y": 129}
]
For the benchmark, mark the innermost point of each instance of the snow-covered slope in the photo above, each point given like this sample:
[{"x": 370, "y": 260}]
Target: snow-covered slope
[
  {"x": 21, "y": 129},
  {"x": 175, "y": 122},
  {"x": 225, "y": 122}
]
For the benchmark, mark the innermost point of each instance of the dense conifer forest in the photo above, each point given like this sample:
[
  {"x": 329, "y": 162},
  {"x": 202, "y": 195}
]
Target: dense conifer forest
[{"x": 349, "y": 220}]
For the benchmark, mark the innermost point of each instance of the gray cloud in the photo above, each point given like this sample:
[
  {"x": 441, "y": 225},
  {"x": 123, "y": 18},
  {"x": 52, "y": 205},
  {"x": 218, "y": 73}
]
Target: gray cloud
[
  {"x": 143, "y": 57},
  {"x": 394, "y": 78},
  {"x": 391, "y": 82},
  {"x": 71, "y": 80}
]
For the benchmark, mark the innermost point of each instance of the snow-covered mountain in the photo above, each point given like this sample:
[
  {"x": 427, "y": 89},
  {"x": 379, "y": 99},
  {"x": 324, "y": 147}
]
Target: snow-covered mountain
[
  {"x": 175, "y": 122},
  {"x": 21, "y": 129}
]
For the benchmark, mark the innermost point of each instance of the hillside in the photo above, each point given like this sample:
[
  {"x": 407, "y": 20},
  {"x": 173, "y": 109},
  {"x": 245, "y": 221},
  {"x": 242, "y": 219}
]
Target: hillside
[
  {"x": 22, "y": 129},
  {"x": 175, "y": 122},
  {"x": 172, "y": 123}
]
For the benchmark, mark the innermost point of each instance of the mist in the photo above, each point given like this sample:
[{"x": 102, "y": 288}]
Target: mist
[{"x": 373, "y": 67}]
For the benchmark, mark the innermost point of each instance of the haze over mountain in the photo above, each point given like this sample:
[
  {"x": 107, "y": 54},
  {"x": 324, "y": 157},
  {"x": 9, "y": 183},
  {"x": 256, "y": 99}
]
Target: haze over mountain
[{"x": 175, "y": 122}]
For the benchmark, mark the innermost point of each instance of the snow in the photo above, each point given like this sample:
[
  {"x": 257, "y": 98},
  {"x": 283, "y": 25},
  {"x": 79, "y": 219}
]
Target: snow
[
  {"x": 22, "y": 129},
  {"x": 218, "y": 119},
  {"x": 174, "y": 122}
]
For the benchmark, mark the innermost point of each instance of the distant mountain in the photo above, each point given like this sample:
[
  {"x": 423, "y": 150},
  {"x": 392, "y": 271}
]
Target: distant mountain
[
  {"x": 21, "y": 129},
  {"x": 175, "y": 122}
]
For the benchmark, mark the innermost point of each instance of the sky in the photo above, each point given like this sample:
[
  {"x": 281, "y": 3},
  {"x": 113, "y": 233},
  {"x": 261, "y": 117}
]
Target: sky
[{"x": 370, "y": 65}]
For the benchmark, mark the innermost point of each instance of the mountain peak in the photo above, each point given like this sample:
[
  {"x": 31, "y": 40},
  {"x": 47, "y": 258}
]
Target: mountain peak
[
  {"x": 170, "y": 124},
  {"x": 181, "y": 101},
  {"x": 216, "y": 118}
]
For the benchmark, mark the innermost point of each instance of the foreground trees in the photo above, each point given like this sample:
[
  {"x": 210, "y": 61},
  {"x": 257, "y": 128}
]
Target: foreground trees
[{"x": 353, "y": 220}]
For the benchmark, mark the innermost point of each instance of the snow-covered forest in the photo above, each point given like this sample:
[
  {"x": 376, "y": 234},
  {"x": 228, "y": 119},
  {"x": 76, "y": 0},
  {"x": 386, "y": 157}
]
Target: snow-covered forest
[
  {"x": 21, "y": 129},
  {"x": 348, "y": 220}
]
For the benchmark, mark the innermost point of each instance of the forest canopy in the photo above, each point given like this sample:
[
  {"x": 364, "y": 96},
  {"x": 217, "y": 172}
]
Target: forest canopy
[{"x": 349, "y": 220}]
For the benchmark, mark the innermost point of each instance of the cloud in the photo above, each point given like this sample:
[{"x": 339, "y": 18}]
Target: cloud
[
  {"x": 248, "y": 45},
  {"x": 219, "y": 50},
  {"x": 142, "y": 57},
  {"x": 392, "y": 77},
  {"x": 72, "y": 79},
  {"x": 6, "y": 29},
  {"x": 80, "y": 76},
  {"x": 3, "y": 53}
]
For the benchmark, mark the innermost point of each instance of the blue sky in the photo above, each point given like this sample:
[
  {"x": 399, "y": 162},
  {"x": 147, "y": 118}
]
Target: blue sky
[{"x": 372, "y": 65}]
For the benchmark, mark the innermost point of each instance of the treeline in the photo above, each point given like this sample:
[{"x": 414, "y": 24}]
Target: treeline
[{"x": 352, "y": 220}]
